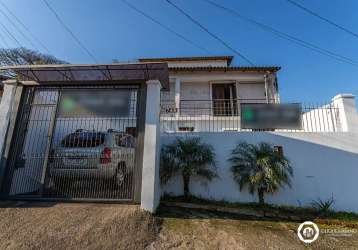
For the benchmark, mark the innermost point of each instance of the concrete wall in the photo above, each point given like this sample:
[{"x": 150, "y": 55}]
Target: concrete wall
[
  {"x": 6, "y": 107},
  {"x": 195, "y": 91},
  {"x": 196, "y": 85},
  {"x": 252, "y": 91},
  {"x": 325, "y": 165},
  {"x": 207, "y": 76},
  {"x": 150, "y": 194}
]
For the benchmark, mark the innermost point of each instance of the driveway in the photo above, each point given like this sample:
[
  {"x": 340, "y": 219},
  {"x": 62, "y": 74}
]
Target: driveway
[{"x": 46, "y": 225}]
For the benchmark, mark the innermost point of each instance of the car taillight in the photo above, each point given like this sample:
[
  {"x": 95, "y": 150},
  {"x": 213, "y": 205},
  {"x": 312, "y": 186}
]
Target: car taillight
[{"x": 106, "y": 156}]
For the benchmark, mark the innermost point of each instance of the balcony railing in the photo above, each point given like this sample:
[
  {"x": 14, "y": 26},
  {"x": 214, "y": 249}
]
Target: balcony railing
[{"x": 224, "y": 115}]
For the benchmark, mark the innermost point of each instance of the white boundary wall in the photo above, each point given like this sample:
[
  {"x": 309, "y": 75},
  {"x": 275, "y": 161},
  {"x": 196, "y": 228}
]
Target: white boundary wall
[{"x": 325, "y": 165}]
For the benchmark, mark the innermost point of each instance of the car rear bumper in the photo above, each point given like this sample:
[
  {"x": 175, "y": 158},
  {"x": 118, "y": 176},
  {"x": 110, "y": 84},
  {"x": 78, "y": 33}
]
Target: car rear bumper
[{"x": 83, "y": 173}]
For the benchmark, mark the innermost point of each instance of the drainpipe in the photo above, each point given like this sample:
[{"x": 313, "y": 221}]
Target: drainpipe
[
  {"x": 177, "y": 96},
  {"x": 266, "y": 87},
  {"x": 177, "y": 102}
]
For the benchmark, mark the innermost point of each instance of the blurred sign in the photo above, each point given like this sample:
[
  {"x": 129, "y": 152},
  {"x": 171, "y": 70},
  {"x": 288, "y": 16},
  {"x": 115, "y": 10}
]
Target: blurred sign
[
  {"x": 95, "y": 102},
  {"x": 270, "y": 116}
]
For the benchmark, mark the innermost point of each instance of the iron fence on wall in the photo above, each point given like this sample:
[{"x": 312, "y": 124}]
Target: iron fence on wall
[{"x": 224, "y": 115}]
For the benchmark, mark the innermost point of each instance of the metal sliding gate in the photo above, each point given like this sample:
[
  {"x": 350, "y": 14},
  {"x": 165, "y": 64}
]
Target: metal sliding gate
[{"x": 74, "y": 143}]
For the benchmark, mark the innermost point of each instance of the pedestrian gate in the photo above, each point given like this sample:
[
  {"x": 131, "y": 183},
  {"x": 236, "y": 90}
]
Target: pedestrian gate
[{"x": 74, "y": 143}]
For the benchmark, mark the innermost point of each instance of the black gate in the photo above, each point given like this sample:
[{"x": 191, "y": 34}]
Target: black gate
[{"x": 75, "y": 143}]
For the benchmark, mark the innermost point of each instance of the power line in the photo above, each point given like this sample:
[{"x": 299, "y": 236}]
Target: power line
[
  {"x": 164, "y": 26},
  {"x": 209, "y": 32},
  {"x": 70, "y": 31},
  {"x": 286, "y": 36},
  {"x": 322, "y": 18},
  {"x": 3, "y": 40},
  {"x": 11, "y": 35},
  {"x": 25, "y": 27},
  {"x": 17, "y": 28}
]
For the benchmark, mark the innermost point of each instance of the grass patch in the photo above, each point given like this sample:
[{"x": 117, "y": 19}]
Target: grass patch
[
  {"x": 304, "y": 212},
  {"x": 349, "y": 216}
]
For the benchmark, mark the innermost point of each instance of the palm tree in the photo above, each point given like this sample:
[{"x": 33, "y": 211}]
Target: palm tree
[
  {"x": 188, "y": 157},
  {"x": 261, "y": 168}
]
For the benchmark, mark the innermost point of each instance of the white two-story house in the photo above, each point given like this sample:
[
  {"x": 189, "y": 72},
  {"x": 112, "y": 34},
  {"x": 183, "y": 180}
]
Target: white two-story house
[{"x": 208, "y": 91}]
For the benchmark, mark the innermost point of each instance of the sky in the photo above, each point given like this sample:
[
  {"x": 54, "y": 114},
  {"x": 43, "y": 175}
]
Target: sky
[{"x": 110, "y": 30}]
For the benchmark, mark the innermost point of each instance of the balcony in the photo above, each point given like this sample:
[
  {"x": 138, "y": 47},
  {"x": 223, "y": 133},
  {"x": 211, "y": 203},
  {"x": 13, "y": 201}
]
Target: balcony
[{"x": 221, "y": 115}]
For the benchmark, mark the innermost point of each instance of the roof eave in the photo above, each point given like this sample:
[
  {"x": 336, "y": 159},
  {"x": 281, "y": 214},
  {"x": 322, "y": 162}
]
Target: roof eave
[
  {"x": 271, "y": 69},
  {"x": 186, "y": 59}
]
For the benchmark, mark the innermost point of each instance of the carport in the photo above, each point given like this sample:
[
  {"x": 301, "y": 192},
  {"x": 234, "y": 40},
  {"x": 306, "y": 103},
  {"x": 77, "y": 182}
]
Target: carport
[{"x": 82, "y": 133}]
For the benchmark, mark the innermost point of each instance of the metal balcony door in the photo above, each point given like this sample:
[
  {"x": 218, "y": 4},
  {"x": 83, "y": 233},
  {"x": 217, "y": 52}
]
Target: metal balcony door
[{"x": 224, "y": 99}]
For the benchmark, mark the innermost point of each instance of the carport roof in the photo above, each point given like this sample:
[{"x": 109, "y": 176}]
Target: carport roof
[{"x": 82, "y": 73}]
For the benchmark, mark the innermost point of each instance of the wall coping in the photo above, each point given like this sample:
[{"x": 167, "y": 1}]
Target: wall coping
[
  {"x": 10, "y": 82},
  {"x": 343, "y": 96}
]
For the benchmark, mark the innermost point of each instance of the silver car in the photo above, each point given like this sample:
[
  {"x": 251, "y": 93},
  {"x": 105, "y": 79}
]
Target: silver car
[{"x": 93, "y": 155}]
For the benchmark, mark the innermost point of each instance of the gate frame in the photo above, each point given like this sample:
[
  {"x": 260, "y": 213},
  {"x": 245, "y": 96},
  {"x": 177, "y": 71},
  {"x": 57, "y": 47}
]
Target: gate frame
[
  {"x": 152, "y": 76},
  {"x": 14, "y": 124},
  {"x": 11, "y": 107}
]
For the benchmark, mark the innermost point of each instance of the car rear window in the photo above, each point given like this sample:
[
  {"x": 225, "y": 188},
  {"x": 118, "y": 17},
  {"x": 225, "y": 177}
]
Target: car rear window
[{"x": 83, "y": 140}]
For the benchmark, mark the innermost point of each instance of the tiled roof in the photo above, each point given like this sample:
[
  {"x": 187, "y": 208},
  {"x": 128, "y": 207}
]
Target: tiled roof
[
  {"x": 191, "y": 58},
  {"x": 225, "y": 69}
]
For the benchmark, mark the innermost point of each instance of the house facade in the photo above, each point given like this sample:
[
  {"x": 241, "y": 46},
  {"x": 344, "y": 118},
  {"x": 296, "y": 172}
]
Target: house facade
[
  {"x": 213, "y": 79},
  {"x": 88, "y": 111},
  {"x": 206, "y": 94},
  {"x": 210, "y": 89}
]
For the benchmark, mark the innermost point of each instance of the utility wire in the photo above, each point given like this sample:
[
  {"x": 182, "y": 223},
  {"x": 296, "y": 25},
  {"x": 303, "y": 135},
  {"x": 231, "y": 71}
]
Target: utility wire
[
  {"x": 210, "y": 33},
  {"x": 17, "y": 28},
  {"x": 11, "y": 35},
  {"x": 322, "y": 18},
  {"x": 70, "y": 31},
  {"x": 3, "y": 40},
  {"x": 25, "y": 27},
  {"x": 164, "y": 26},
  {"x": 286, "y": 36}
]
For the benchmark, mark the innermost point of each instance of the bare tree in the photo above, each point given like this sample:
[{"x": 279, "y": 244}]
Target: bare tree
[{"x": 21, "y": 56}]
